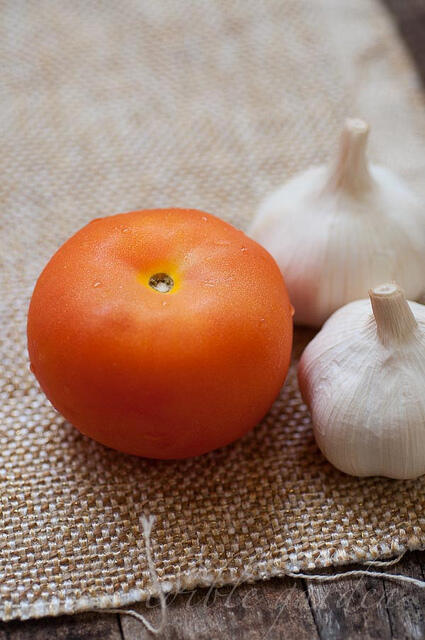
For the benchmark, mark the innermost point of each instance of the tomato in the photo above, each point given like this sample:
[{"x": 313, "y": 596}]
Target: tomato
[{"x": 163, "y": 333}]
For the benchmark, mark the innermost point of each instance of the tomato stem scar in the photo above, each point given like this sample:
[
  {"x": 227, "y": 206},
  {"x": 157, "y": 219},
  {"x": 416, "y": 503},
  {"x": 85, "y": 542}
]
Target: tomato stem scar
[{"x": 161, "y": 282}]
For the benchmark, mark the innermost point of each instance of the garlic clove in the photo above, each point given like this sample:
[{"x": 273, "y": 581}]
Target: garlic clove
[
  {"x": 363, "y": 378},
  {"x": 335, "y": 230}
]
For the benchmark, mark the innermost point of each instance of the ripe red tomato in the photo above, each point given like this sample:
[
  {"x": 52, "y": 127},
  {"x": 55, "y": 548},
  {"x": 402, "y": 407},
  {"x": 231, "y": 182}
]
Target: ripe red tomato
[{"x": 163, "y": 333}]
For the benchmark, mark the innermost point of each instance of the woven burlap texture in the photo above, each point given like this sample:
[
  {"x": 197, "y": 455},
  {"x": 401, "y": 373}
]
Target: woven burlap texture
[{"x": 113, "y": 106}]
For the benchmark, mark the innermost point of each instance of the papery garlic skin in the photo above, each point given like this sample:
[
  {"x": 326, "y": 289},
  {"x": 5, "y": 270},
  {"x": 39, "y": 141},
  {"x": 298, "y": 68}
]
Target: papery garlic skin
[
  {"x": 337, "y": 230},
  {"x": 363, "y": 378}
]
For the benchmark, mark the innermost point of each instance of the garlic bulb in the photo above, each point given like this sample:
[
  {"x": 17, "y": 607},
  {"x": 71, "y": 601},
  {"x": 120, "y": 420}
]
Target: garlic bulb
[
  {"x": 363, "y": 377},
  {"x": 335, "y": 231}
]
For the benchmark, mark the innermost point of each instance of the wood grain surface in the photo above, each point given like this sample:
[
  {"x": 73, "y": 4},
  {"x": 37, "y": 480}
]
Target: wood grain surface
[{"x": 349, "y": 609}]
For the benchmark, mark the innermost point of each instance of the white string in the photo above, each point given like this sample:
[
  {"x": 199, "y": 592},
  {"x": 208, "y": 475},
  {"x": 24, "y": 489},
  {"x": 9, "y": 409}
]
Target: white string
[
  {"x": 147, "y": 524},
  {"x": 395, "y": 577},
  {"x": 385, "y": 563}
]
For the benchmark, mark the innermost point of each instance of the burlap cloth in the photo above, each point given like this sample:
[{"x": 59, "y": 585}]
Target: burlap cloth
[{"x": 112, "y": 106}]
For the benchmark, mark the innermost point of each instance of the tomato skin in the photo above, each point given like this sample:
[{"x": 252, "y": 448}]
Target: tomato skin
[{"x": 161, "y": 375}]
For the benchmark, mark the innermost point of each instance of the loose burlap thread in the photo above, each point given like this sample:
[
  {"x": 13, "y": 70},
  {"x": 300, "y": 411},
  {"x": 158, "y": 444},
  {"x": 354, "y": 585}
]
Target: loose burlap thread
[{"x": 110, "y": 107}]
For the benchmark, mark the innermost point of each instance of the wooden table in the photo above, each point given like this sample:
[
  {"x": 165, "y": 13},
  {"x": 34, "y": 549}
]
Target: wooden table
[{"x": 352, "y": 608}]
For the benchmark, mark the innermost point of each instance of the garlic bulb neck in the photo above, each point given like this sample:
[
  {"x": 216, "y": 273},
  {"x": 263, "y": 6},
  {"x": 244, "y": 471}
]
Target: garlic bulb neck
[
  {"x": 350, "y": 171},
  {"x": 395, "y": 321}
]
